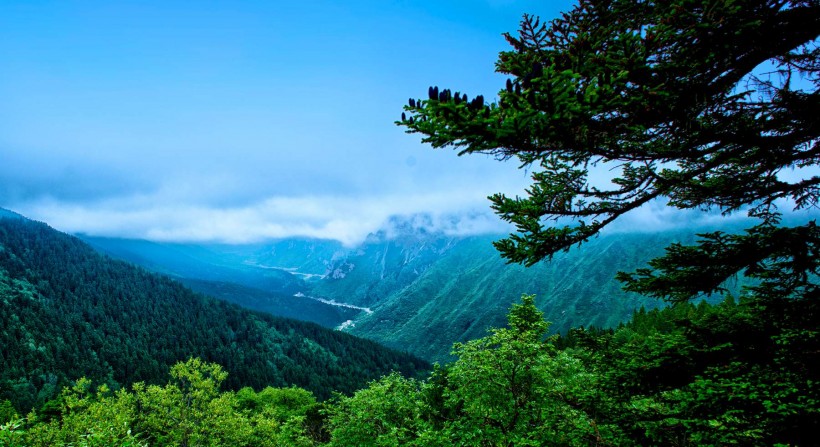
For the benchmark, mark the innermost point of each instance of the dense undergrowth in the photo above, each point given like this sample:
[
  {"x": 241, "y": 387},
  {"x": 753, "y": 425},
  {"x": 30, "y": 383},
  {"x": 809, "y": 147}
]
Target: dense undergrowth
[{"x": 726, "y": 374}]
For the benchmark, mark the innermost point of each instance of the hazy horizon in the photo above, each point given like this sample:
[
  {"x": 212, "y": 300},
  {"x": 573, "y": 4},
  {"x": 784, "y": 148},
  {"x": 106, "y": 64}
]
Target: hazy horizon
[{"x": 243, "y": 120}]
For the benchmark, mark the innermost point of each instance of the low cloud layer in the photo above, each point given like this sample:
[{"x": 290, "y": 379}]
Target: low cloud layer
[
  {"x": 347, "y": 219},
  {"x": 175, "y": 123}
]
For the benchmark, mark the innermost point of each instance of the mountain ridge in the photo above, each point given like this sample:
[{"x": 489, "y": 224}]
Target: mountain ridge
[
  {"x": 427, "y": 289},
  {"x": 67, "y": 311}
]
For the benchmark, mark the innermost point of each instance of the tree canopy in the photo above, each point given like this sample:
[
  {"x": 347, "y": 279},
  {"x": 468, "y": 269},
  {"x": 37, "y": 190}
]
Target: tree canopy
[
  {"x": 707, "y": 105},
  {"x": 703, "y": 104}
]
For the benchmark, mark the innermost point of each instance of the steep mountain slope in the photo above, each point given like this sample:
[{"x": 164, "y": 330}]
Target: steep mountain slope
[
  {"x": 424, "y": 290},
  {"x": 197, "y": 262},
  {"x": 240, "y": 274},
  {"x": 67, "y": 311},
  {"x": 429, "y": 291},
  {"x": 289, "y": 306},
  {"x": 382, "y": 265},
  {"x": 308, "y": 258}
]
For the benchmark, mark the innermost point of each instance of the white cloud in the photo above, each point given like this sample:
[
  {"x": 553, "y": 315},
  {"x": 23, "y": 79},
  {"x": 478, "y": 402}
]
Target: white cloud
[
  {"x": 344, "y": 218},
  {"x": 348, "y": 219}
]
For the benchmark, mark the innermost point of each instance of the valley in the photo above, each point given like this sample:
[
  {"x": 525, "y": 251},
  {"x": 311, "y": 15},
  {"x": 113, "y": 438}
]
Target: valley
[
  {"x": 68, "y": 312},
  {"x": 408, "y": 288}
]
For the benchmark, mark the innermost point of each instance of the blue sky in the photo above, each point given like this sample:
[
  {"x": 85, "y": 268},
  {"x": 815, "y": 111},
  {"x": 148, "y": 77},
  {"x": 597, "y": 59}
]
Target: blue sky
[
  {"x": 242, "y": 121},
  {"x": 236, "y": 121}
]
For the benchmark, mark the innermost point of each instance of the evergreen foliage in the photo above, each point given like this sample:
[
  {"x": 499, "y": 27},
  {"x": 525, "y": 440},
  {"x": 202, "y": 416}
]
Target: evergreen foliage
[
  {"x": 665, "y": 91},
  {"x": 703, "y": 105},
  {"x": 67, "y": 312},
  {"x": 458, "y": 288},
  {"x": 684, "y": 375},
  {"x": 418, "y": 282},
  {"x": 669, "y": 95},
  {"x": 231, "y": 273},
  {"x": 278, "y": 304}
]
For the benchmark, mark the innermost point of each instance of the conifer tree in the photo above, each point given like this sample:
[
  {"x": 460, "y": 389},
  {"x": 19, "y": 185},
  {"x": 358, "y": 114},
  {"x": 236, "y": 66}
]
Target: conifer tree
[
  {"x": 709, "y": 105},
  {"x": 701, "y": 104}
]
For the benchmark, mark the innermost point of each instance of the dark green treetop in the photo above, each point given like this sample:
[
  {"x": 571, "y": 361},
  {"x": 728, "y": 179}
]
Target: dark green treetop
[{"x": 703, "y": 104}]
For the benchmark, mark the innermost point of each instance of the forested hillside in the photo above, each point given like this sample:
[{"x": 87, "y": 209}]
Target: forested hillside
[
  {"x": 685, "y": 375},
  {"x": 457, "y": 288},
  {"x": 699, "y": 105},
  {"x": 235, "y": 273},
  {"x": 211, "y": 263},
  {"x": 289, "y": 306},
  {"x": 417, "y": 283},
  {"x": 69, "y": 312}
]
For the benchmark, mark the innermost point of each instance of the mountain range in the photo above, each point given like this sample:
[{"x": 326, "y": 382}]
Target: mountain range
[
  {"x": 67, "y": 311},
  {"x": 407, "y": 287}
]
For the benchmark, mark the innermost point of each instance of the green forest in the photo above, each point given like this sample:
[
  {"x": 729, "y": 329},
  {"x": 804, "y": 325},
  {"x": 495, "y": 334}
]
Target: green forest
[
  {"x": 725, "y": 374},
  {"x": 68, "y": 312},
  {"x": 225, "y": 276},
  {"x": 697, "y": 104}
]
